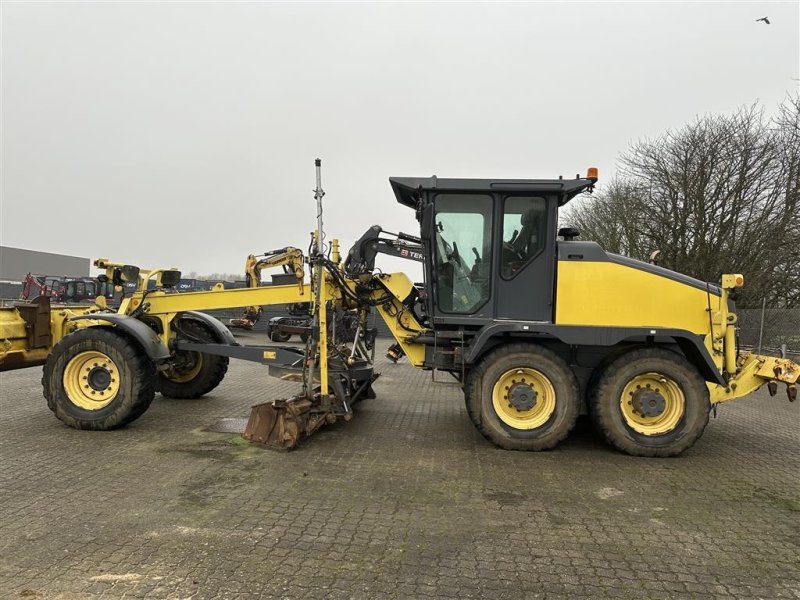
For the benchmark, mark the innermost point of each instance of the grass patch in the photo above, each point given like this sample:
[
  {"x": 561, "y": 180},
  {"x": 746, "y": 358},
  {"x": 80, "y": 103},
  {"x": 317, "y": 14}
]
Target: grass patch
[{"x": 792, "y": 505}]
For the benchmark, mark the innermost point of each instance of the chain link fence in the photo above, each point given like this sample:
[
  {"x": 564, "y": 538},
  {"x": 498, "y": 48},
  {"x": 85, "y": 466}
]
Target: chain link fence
[{"x": 773, "y": 330}]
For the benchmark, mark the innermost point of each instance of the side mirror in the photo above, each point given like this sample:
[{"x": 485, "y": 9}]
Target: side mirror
[
  {"x": 568, "y": 233},
  {"x": 170, "y": 278}
]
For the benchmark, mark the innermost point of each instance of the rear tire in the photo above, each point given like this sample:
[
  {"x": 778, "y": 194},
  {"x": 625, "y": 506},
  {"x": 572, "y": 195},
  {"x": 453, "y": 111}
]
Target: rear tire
[
  {"x": 523, "y": 397},
  {"x": 650, "y": 402},
  {"x": 194, "y": 373},
  {"x": 98, "y": 379}
]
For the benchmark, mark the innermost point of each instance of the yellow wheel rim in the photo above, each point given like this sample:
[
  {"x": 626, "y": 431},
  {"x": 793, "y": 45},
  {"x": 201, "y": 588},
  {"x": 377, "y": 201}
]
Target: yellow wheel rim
[
  {"x": 189, "y": 374},
  {"x": 524, "y": 398},
  {"x": 652, "y": 404},
  {"x": 91, "y": 380}
]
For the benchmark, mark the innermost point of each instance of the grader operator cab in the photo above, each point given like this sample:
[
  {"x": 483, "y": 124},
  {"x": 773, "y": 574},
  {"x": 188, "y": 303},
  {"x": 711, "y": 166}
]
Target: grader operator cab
[{"x": 534, "y": 328}]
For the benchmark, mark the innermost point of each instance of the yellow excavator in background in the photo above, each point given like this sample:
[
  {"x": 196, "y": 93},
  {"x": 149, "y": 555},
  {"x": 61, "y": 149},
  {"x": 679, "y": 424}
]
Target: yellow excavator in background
[
  {"x": 536, "y": 326},
  {"x": 291, "y": 259}
]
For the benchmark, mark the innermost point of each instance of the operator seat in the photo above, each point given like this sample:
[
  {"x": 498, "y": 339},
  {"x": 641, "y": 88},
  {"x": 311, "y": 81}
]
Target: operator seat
[
  {"x": 523, "y": 245},
  {"x": 527, "y": 242}
]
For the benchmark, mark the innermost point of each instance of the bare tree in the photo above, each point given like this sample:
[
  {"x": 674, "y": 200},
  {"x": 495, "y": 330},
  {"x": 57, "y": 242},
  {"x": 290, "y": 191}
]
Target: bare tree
[
  {"x": 787, "y": 270},
  {"x": 214, "y": 276},
  {"x": 718, "y": 195}
]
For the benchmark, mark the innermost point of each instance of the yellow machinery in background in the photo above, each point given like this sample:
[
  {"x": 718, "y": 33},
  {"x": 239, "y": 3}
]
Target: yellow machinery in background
[
  {"x": 535, "y": 325},
  {"x": 291, "y": 259}
]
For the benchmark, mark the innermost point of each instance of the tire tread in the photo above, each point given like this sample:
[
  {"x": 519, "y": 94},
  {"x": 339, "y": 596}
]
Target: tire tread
[
  {"x": 600, "y": 406},
  {"x": 474, "y": 382},
  {"x": 142, "y": 375},
  {"x": 208, "y": 379}
]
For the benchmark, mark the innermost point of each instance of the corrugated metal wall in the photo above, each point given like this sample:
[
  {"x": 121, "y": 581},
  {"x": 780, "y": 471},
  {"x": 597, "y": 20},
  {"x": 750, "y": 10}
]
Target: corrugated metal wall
[
  {"x": 15, "y": 263},
  {"x": 10, "y": 291}
]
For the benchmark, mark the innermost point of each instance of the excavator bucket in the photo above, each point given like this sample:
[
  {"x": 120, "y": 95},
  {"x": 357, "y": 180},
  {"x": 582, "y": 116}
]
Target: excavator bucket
[{"x": 242, "y": 323}]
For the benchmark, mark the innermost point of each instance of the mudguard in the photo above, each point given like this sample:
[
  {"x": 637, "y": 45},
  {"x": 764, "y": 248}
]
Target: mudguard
[
  {"x": 222, "y": 333},
  {"x": 147, "y": 338}
]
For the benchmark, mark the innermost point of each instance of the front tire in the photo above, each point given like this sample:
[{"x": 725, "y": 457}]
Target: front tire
[
  {"x": 650, "y": 402},
  {"x": 193, "y": 374},
  {"x": 523, "y": 397},
  {"x": 98, "y": 379}
]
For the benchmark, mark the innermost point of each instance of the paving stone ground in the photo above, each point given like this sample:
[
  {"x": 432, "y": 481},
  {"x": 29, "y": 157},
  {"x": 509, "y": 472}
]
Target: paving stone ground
[{"x": 405, "y": 501}]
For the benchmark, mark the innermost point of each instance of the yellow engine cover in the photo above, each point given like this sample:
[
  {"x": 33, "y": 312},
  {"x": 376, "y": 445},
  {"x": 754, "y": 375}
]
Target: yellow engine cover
[{"x": 617, "y": 295}]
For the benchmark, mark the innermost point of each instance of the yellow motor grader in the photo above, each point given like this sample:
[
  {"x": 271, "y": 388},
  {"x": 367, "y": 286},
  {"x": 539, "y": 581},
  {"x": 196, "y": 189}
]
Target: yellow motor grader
[{"x": 536, "y": 326}]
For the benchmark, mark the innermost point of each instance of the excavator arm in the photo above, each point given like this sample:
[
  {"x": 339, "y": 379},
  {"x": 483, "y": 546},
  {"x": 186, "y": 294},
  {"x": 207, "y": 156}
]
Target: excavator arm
[{"x": 361, "y": 258}]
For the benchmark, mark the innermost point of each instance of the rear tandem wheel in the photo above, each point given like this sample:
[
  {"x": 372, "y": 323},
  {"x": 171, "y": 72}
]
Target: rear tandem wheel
[
  {"x": 193, "y": 374},
  {"x": 650, "y": 402}
]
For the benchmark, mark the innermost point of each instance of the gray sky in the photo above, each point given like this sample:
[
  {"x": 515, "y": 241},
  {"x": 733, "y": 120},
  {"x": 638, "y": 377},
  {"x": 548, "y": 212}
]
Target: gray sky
[{"x": 184, "y": 134}]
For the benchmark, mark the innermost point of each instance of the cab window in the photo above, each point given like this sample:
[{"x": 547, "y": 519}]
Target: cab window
[
  {"x": 524, "y": 232},
  {"x": 463, "y": 225}
]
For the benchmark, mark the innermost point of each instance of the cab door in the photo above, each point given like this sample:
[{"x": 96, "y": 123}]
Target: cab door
[
  {"x": 525, "y": 258},
  {"x": 461, "y": 256}
]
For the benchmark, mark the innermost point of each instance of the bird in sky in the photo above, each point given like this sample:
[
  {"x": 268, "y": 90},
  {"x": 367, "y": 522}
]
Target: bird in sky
[{"x": 765, "y": 19}]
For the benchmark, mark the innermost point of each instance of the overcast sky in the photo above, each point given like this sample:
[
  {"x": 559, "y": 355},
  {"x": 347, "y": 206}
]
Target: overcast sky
[{"x": 184, "y": 134}]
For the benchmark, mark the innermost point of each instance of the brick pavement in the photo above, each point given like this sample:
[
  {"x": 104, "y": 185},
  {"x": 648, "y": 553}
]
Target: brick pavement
[{"x": 405, "y": 501}]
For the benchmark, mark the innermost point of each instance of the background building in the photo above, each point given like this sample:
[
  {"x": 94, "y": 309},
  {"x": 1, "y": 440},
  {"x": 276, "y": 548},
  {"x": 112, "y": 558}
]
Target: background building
[{"x": 16, "y": 263}]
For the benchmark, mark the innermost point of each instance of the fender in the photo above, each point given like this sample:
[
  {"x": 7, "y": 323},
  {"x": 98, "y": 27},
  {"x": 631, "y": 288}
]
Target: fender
[
  {"x": 690, "y": 344},
  {"x": 221, "y": 333},
  {"x": 147, "y": 338}
]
